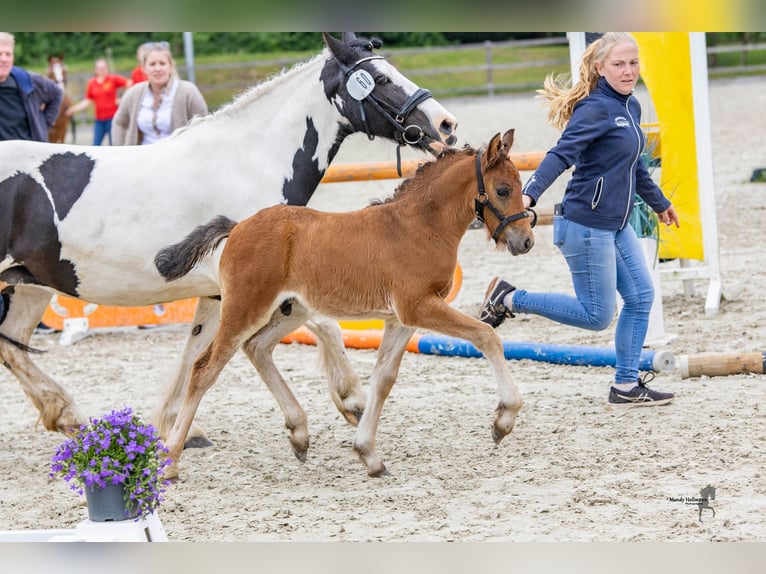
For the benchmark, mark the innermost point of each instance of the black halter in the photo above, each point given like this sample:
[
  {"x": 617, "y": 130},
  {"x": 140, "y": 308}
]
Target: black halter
[
  {"x": 482, "y": 200},
  {"x": 405, "y": 134}
]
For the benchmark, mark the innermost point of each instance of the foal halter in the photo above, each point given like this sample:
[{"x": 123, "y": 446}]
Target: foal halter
[
  {"x": 405, "y": 134},
  {"x": 482, "y": 200}
]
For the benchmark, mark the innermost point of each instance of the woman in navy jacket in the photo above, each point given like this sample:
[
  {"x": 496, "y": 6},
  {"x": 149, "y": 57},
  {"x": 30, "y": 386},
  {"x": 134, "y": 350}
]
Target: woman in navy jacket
[{"x": 602, "y": 138}]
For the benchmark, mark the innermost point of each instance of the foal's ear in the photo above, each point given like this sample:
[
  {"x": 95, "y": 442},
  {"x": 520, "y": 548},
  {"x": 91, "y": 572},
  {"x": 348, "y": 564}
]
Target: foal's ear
[
  {"x": 493, "y": 149},
  {"x": 508, "y": 140}
]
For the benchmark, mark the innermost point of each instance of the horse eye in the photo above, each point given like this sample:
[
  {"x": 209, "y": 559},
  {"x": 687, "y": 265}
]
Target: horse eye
[
  {"x": 381, "y": 80},
  {"x": 503, "y": 191}
]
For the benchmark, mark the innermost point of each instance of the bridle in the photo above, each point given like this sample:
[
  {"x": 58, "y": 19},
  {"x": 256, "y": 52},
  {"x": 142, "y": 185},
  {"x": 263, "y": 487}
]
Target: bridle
[
  {"x": 482, "y": 200},
  {"x": 410, "y": 134}
]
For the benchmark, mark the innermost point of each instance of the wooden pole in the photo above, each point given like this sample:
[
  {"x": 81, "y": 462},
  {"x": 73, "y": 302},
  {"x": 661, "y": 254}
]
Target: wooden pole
[{"x": 722, "y": 364}]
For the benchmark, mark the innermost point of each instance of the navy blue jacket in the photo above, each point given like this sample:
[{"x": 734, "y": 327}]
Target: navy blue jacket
[
  {"x": 38, "y": 92},
  {"x": 604, "y": 141}
]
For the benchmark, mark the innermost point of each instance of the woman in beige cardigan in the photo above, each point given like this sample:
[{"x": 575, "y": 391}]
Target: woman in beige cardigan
[{"x": 152, "y": 110}]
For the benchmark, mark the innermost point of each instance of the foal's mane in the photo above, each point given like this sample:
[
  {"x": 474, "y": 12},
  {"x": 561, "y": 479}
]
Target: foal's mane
[{"x": 427, "y": 172}]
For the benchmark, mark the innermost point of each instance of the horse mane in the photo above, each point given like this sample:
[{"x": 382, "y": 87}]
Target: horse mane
[
  {"x": 256, "y": 91},
  {"x": 425, "y": 171},
  {"x": 359, "y": 45}
]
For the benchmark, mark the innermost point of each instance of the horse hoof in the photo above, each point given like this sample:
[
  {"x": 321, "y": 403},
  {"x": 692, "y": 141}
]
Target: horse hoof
[
  {"x": 497, "y": 436},
  {"x": 377, "y": 470},
  {"x": 353, "y": 417},
  {"x": 197, "y": 442},
  {"x": 300, "y": 454},
  {"x": 171, "y": 474}
]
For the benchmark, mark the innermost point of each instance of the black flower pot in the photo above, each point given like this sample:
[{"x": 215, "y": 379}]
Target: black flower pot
[{"x": 108, "y": 504}]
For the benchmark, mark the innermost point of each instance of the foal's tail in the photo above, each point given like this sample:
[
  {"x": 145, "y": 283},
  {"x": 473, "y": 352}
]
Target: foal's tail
[{"x": 175, "y": 261}]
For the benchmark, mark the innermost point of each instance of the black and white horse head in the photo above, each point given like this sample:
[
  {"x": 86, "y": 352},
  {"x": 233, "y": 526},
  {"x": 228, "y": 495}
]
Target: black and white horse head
[{"x": 378, "y": 100}]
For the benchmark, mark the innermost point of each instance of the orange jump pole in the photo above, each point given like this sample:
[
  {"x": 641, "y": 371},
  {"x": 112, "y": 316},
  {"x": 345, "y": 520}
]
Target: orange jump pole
[
  {"x": 387, "y": 169},
  {"x": 722, "y": 364},
  {"x": 352, "y": 339}
]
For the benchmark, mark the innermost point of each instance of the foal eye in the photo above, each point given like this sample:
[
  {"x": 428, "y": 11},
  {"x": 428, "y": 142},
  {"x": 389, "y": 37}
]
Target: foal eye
[{"x": 503, "y": 191}]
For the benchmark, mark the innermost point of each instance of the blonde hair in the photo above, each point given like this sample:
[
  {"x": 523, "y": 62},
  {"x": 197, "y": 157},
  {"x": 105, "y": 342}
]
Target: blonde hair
[
  {"x": 7, "y": 38},
  {"x": 561, "y": 97},
  {"x": 158, "y": 47}
]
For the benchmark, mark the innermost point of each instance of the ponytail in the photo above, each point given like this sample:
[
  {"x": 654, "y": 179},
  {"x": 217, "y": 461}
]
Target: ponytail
[{"x": 556, "y": 90}]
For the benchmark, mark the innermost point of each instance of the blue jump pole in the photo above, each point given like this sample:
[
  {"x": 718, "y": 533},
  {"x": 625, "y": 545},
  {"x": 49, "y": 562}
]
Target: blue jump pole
[{"x": 559, "y": 354}]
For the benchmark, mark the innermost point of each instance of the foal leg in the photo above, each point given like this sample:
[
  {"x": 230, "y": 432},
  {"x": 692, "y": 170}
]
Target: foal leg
[
  {"x": 392, "y": 347},
  {"x": 345, "y": 387},
  {"x": 260, "y": 349},
  {"x": 436, "y": 315},
  {"x": 204, "y": 374},
  {"x": 204, "y": 325},
  {"x": 55, "y": 405}
]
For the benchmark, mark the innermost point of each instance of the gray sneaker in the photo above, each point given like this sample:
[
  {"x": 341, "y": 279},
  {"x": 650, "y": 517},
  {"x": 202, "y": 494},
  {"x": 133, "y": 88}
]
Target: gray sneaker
[
  {"x": 640, "y": 396},
  {"x": 493, "y": 310}
]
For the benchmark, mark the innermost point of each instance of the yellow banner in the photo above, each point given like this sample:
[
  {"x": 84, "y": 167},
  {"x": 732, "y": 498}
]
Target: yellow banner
[{"x": 666, "y": 71}]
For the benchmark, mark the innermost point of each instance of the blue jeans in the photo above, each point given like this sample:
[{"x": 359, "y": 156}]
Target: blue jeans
[
  {"x": 602, "y": 263},
  {"x": 102, "y": 128}
]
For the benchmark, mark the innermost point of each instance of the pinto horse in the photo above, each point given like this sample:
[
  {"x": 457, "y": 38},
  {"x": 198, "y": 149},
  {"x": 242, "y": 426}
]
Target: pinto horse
[
  {"x": 88, "y": 221},
  {"x": 399, "y": 268},
  {"x": 57, "y": 73}
]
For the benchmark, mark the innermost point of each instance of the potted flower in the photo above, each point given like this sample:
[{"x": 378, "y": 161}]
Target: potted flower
[{"x": 118, "y": 462}]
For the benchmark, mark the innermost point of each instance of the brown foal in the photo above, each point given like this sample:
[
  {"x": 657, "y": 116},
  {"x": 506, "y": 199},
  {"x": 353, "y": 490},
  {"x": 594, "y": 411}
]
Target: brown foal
[{"x": 393, "y": 261}]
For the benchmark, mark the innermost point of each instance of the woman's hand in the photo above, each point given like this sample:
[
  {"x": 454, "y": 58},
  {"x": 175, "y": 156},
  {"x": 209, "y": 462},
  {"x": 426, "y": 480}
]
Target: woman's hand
[
  {"x": 669, "y": 217},
  {"x": 527, "y": 200}
]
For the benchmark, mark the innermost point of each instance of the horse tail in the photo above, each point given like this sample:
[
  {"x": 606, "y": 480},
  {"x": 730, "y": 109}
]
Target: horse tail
[
  {"x": 20, "y": 345},
  {"x": 175, "y": 261},
  {"x": 5, "y": 303}
]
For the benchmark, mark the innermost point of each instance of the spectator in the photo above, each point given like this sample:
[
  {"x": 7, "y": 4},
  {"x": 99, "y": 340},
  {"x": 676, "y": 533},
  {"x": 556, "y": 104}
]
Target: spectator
[
  {"x": 152, "y": 110},
  {"x": 137, "y": 75},
  {"x": 102, "y": 93},
  {"x": 29, "y": 102}
]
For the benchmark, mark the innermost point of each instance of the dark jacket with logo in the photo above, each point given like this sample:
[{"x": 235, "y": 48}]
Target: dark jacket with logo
[
  {"x": 604, "y": 141},
  {"x": 42, "y": 100}
]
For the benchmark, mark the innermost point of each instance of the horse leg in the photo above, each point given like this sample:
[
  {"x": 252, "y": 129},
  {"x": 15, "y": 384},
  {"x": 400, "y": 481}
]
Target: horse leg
[
  {"x": 259, "y": 349},
  {"x": 204, "y": 325},
  {"x": 436, "y": 315},
  {"x": 345, "y": 387},
  {"x": 204, "y": 374},
  {"x": 392, "y": 347},
  {"x": 55, "y": 405},
  {"x": 234, "y": 329}
]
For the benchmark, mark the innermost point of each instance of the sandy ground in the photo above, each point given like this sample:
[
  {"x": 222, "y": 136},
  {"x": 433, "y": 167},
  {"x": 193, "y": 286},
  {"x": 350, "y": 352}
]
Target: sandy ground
[{"x": 569, "y": 471}]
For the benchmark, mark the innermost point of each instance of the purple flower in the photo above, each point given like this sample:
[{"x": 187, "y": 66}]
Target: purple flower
[{"x": 117, "y": 448}]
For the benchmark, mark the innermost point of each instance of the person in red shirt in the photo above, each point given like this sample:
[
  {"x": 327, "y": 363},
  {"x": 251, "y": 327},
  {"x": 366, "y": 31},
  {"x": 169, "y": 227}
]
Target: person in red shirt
[
  {"x": 102, "y": 93},
  {"x": 138, "y": 75}
]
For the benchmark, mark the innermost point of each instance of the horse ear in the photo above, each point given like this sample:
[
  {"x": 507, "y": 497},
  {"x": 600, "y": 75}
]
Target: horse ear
[
  {"x": 508, "y": 140},
  {"x": 493, "y": 149},
  {"x": 338, "y": 48},
  {"x": 349, "y": 37}
]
